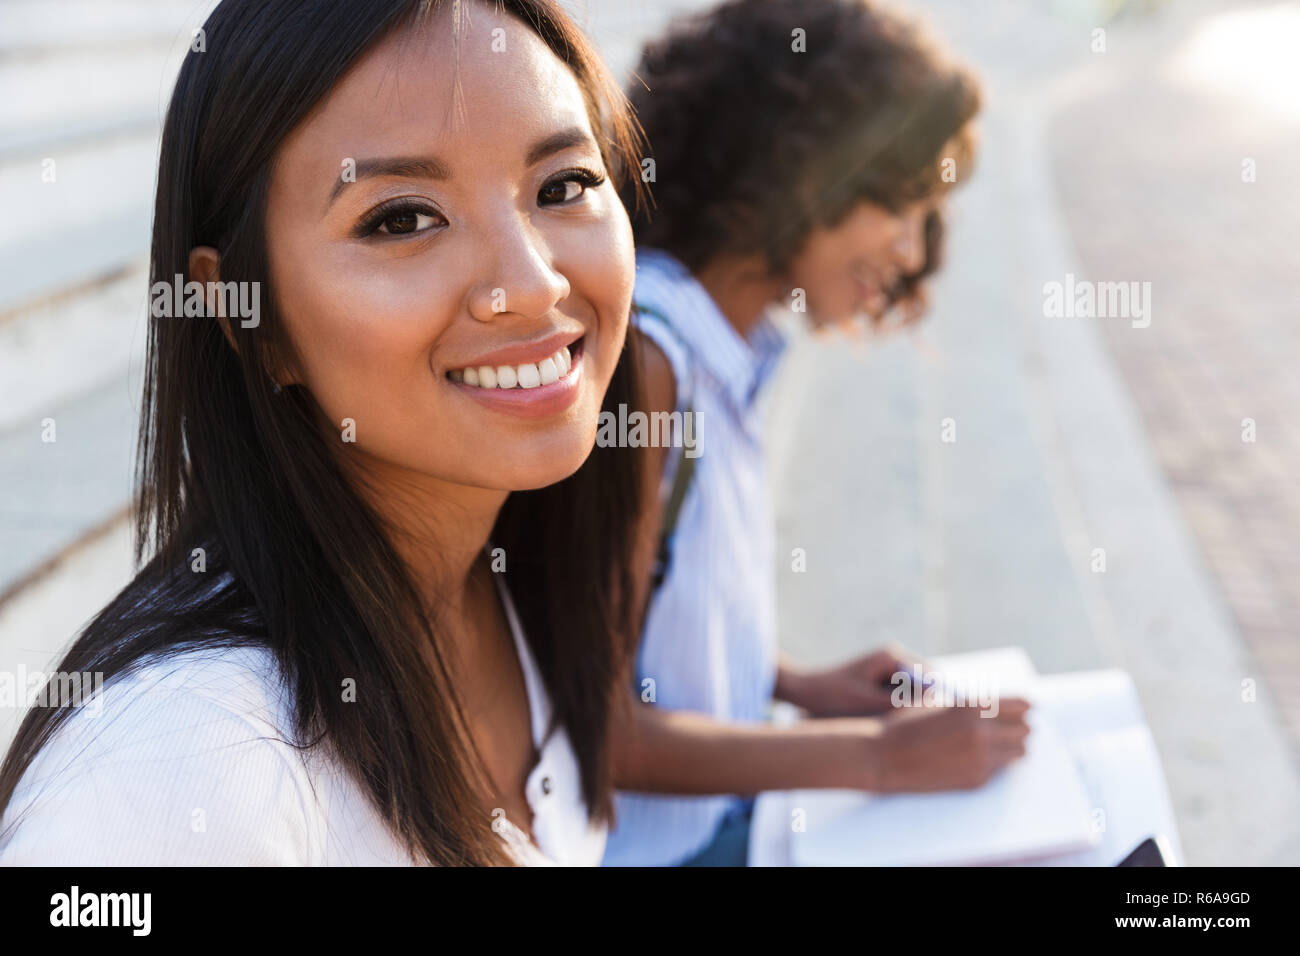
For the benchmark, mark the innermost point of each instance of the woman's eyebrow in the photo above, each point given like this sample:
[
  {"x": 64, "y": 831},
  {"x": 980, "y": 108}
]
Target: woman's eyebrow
[
  {"x": 430, "y": 167},
  {"x": 411, "y": 167},
  {"x": 556, "y": 142}
]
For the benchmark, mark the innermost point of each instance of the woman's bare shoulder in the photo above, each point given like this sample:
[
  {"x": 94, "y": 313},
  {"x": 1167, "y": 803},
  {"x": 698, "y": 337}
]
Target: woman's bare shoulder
[{"x": 658, "y": 380}]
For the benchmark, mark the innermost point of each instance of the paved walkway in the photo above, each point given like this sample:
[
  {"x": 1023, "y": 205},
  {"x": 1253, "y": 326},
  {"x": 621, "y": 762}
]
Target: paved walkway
[{"x": 1150, "y": 173}]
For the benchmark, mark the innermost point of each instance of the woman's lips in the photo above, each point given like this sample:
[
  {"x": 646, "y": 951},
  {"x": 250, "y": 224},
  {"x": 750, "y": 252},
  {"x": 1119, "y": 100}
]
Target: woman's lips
[
  {"x": 527, "y": 352},
  {"x": 525, "y": 399}
]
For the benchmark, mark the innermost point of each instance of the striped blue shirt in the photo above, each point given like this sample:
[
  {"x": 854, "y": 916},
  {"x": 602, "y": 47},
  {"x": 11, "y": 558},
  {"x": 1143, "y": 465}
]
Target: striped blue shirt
[{"x": 710, "y": 636}]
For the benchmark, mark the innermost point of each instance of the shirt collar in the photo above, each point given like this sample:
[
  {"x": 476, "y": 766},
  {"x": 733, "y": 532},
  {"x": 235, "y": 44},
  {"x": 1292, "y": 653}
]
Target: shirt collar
[{"x": 742, "y": 365}]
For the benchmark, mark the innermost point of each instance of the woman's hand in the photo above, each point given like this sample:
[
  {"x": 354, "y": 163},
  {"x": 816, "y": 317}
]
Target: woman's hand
[
  {"x": 859, "y": 687},
  {"x": 925, "y": 749}
]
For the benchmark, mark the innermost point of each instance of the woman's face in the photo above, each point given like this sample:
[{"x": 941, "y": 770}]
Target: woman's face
[
  {"x": 847, "y": 271},
  {"x": 446, "y": 209}
]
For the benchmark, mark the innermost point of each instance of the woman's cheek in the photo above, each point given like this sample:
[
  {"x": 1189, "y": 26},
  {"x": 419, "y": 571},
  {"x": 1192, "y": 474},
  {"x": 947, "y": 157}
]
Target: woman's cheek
[
  {"x": 621, "y": 276},
  {"x": 358, "y": 354},
  {"x": 602, "y": 273},
  {"x": 627, "y": 247},
  {"x": 384, "y": 318}
]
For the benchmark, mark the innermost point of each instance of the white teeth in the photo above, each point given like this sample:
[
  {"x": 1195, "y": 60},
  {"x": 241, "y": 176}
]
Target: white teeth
[
  {"x": 546, "y": 372},
  {"x": 529, "y": 376}
]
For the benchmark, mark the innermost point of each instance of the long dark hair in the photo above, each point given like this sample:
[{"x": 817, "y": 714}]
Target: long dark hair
[{"x": 296, "y": 561}]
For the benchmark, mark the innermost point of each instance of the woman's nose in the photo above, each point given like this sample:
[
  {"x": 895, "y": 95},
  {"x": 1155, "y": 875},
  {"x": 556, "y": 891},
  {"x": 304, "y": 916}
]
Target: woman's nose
[
  {"x": 520, "y": 277},
  {"x": 909, "y": 246}
]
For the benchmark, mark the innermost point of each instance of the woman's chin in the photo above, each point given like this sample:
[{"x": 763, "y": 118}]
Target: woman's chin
[
  {"x": 838, "y": 321},
  {"x": 551, "y": 462}
]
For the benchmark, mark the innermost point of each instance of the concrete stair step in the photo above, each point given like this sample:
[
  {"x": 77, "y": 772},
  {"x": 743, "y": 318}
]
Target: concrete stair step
[{"x": 55, "y": 493}]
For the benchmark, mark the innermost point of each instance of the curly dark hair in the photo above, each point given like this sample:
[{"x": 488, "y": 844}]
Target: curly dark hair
[{"x": 756, "y": 144}]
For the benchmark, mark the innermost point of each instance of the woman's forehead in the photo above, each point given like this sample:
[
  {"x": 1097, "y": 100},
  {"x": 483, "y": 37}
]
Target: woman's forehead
[{"x": 493, "y": 79}]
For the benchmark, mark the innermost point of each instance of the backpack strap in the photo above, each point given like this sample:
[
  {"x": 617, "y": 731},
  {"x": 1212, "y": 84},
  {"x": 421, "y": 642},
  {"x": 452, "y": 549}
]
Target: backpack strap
[
  {"x": 672, "y": 510},
  {"x": 683, "y": 470}
]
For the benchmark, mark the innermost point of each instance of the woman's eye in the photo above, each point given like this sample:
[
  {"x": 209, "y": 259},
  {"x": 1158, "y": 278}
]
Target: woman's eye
[
  {"x": 560, "y": 192},
  {"x": 568, "y": 187},
  {"x": 404, "y": 222},
  {"x": 400, "y": 219}
]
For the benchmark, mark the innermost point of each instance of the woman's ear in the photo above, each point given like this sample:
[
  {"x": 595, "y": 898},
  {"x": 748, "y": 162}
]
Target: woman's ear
[{"x": 205, "y": 267}]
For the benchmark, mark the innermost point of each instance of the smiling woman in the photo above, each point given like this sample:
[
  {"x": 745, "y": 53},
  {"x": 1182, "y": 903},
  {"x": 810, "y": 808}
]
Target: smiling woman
[{"x": 324, "y": 659}]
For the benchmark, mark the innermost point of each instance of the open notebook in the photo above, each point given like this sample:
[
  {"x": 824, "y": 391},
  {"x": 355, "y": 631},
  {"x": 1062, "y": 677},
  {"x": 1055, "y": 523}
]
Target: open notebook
[{"x": 1037, "y": 807}]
